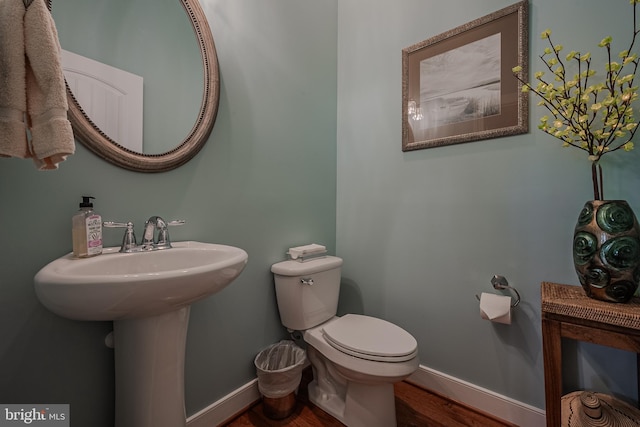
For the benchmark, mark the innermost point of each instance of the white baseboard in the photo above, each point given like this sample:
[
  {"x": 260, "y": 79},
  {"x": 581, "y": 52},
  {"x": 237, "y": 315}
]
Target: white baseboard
[
  {"x": 225, "y": 408},
  {"x": 469, "y": 394},
  {"x": 480, "y": 398}
]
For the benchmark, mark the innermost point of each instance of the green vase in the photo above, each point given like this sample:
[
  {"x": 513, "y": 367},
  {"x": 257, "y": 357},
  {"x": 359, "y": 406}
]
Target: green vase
[{"x": 606, "y": 250}]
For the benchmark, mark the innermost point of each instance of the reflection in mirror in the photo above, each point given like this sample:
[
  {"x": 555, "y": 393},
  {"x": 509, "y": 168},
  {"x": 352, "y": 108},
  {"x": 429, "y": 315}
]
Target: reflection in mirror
[
  {"x": 111, "y": 97},
  {"x": 152, "y": 41}
]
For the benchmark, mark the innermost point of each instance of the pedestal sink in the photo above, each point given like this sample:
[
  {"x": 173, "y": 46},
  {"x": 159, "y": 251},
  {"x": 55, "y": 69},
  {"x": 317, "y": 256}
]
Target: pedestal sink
[{"x": 147, "y": 295}]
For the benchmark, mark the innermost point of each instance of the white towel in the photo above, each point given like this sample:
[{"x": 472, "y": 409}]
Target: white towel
[
  {"x": 305, "y": 250},
  {"x": 51, "y": 134},
  {"x": 32, "y": 84},
  {"x": 13, "y": 90}
]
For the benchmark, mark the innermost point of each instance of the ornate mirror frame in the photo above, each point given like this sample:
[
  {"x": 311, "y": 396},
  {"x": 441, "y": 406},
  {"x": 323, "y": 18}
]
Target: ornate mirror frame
[{"x": 100, "y": 144}]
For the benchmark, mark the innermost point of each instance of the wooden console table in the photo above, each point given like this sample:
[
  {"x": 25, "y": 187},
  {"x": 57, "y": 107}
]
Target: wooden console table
[{"x": 567, "y": 312}]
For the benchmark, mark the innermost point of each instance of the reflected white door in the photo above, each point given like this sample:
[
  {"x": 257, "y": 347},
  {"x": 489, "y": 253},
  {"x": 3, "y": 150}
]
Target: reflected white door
[{"x": 111, "y": 97}]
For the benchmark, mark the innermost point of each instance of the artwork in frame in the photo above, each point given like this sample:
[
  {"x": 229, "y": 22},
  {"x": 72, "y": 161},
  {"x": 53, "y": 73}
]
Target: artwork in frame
[{"x": 458, "y": 86}]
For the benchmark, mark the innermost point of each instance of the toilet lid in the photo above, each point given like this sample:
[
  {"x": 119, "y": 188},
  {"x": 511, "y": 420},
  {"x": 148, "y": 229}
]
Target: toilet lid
[{"x": 371, "y": 338}]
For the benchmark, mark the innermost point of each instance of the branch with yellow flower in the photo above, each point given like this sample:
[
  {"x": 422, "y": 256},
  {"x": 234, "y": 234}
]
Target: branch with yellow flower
[{"x": 595, "y": 117}]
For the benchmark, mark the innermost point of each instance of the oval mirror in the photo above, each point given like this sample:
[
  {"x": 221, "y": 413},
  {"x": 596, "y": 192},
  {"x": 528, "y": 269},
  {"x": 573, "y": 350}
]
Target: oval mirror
[{"x": 200, "y": 117}]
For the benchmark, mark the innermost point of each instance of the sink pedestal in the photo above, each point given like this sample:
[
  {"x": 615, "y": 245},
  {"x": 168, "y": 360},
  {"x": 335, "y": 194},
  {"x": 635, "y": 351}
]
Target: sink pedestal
[{"x": 149, "y": 365}]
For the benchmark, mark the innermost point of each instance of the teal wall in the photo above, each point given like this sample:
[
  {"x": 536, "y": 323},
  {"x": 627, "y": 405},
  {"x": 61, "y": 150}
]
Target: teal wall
[
  {"x": 422, "y": 232},
  {"x": 265, "y": 181},
  {"x": 305, "y": 83}
]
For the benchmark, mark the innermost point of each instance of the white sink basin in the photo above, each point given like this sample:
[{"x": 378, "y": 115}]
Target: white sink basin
[
  {"x": 115, "y": 285},
  {"x": 148, "y": 296}
]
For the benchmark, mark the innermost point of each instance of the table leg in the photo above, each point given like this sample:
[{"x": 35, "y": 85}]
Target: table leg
[
  {"x": 638, "y": 376},
  {"x": 552, "y": 355}
]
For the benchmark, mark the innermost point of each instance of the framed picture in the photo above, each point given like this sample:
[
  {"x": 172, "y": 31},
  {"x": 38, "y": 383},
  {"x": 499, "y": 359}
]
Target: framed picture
[{"x": 458, "y": 86}]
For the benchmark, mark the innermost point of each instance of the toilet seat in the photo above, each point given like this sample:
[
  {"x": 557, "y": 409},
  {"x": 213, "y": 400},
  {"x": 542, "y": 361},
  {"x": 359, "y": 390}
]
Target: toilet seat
[{"x": 370, "y": 338}]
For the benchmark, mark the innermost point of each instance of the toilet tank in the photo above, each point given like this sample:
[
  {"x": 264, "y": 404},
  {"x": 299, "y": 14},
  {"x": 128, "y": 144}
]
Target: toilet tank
[{"x": 307, "y": 292}]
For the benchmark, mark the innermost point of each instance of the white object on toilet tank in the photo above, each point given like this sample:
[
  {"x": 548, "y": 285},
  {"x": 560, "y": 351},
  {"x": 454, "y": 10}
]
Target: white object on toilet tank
[
  {"x": 301, "y": 251},
  {"x": 307, "y": 292}
]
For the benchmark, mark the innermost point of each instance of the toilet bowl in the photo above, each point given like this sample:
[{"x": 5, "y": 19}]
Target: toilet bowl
[
  {"x": 352, "y": 382},
  {"x": 356, "y": 359}
]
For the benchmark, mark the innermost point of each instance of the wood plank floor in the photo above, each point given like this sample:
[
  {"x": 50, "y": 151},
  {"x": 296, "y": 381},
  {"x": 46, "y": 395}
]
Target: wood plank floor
[{"x": 415, "y": 407}]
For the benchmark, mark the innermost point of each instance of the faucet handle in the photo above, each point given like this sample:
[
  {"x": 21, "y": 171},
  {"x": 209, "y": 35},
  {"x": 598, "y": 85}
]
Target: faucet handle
[
  {"x": 113, "y": 224},
  {"x": 129, "y": 242},
  {"x": 163, "y": 234}
]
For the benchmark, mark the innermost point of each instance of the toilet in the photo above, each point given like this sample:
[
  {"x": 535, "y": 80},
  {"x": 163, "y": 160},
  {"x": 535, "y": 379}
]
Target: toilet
[{"x": 355, "y": 359}]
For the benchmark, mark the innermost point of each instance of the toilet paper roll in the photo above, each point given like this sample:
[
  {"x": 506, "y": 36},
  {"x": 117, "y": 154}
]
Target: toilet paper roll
[{"x": 496, "y": 308}]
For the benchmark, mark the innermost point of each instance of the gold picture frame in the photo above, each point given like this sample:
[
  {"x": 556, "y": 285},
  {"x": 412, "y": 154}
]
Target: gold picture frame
[{"x": 458, "y": 86}]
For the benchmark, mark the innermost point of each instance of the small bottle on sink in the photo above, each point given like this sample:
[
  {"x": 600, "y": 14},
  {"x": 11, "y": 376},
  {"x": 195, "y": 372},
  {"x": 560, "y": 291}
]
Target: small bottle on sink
[{"x": 86, "y": 230}]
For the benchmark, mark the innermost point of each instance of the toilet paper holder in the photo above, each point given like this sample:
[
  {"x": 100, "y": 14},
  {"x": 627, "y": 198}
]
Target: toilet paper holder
[{"x": 501, "y": 283}]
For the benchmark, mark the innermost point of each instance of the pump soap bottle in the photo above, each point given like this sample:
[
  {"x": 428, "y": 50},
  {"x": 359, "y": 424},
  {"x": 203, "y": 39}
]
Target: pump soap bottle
[{"x": 86, "y": 230}]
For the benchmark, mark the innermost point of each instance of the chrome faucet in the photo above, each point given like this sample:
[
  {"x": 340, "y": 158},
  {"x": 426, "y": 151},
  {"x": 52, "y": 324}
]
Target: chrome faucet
[
  {"x": 161, "y": 240},
  {"x": 151, "y": 240}
]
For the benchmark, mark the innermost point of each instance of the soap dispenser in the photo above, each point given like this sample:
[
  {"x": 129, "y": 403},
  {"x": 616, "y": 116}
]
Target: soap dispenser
[{"x": 86, "y": 230}]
